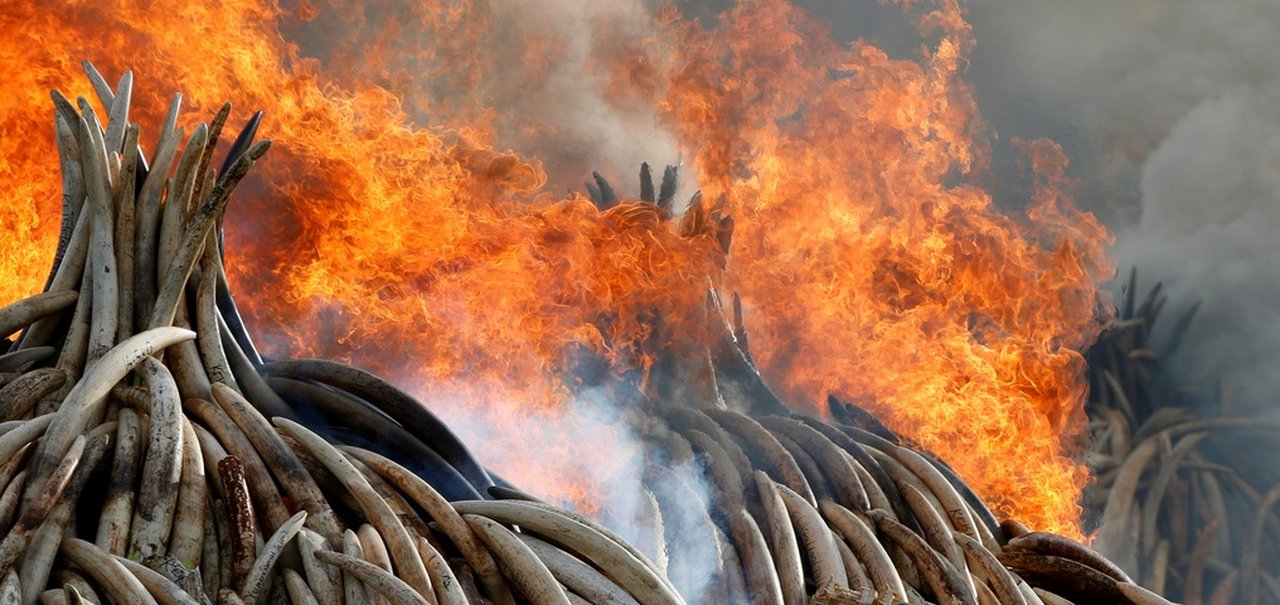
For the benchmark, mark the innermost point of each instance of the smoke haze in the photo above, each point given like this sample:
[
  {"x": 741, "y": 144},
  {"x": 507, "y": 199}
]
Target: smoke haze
[{"x": 1170, "y": 112}]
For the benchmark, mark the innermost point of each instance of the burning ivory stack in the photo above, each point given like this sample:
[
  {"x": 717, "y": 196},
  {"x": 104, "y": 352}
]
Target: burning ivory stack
[
  {"x": 205, "y": 498},
  {"x": 133, "y": 377},
  {"x": 806, "y": 511}
]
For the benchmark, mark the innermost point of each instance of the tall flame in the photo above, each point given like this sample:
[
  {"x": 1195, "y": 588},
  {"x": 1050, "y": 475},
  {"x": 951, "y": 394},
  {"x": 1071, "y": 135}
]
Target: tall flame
[
  {"x": 876, "y": 270},
  {"x": 391, "y": 228}
]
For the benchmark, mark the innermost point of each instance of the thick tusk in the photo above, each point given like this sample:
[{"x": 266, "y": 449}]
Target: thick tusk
[
  {"x": 160, "y": 587},
  {"x": 522, "y": 565},
  {"x": 403, "y": 552},
  {"x": 607, "y": 553},
  {"x": 18, "y": 315},
  {"x": 161, "y": 466},
  {"x": 89, "y": 394},
  {"x": 120, "y": 585},
  {"x": 394, "y": 589},
  {"x": 117, "y": 508},
  {"x": 255, "y": 583}
]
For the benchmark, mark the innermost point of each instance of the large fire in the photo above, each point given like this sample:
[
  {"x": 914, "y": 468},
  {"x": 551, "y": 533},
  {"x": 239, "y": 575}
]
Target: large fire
[{"x": 390, "y": 221}]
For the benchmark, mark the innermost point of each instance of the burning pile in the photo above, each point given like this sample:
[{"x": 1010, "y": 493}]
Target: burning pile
[
  {"x": 203, "y": 495},
  {"x": 412, "y": 221},
  {"x": 1186, "y": 490},
  {"x": 215, "y": 489}
]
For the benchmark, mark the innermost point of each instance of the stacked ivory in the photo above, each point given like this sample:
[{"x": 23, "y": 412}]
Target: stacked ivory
[
  {"x": 132, "y": 377},
  {"x": 227, "y": 479}
]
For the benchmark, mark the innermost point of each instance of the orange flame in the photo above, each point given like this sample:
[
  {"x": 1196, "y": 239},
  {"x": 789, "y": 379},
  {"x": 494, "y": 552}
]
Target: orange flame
[
  {"x": 872, "y": 263},
  {"x": 876, "y": 270}
]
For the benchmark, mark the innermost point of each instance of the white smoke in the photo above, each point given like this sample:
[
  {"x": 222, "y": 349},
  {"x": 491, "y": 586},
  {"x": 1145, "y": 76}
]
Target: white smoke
[
  {"x": 547, "y": 76},
  {"x": 594, "y": 441},
  {"x": 591, "y": 129}
]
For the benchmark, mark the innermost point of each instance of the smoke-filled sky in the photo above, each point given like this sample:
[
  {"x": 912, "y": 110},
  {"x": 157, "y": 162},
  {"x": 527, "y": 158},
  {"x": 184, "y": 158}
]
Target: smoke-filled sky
[{"x": 1170, "y": 112}]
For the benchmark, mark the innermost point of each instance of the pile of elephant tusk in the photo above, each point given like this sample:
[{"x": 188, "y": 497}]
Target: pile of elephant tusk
[
  {"x": 149, "y": 455},
  {"x": 1186, "y": 491}
]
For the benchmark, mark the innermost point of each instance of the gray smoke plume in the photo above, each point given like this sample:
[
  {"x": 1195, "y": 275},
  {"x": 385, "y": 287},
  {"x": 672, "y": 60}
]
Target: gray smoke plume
[
  {"x": 1170, "y": 112},
  {"x": 582, "y": 121}
]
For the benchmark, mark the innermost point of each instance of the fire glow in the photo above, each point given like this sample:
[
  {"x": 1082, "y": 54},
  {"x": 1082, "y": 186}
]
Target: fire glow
[{"x": 871, "y": 263}]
